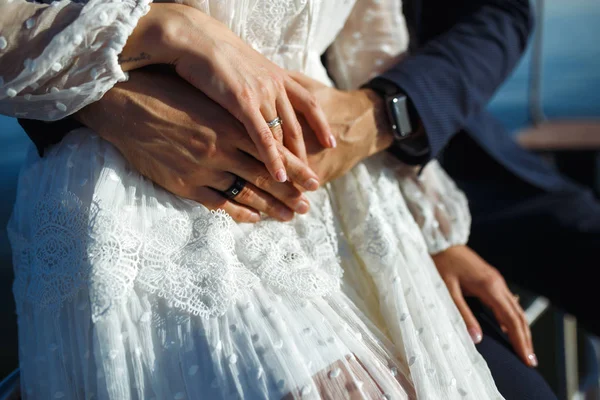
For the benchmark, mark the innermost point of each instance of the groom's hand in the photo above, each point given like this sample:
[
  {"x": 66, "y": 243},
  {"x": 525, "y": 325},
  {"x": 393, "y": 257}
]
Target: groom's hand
[
  {"x": 358, "y": 122},
  {"x": 183, "y": 141},
  {"x": 467, "y": 274}
]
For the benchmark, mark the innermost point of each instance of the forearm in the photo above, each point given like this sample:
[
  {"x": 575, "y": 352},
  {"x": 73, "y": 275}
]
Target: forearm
[
  {"x": 371, "y": 129},
  {"x": 455, "y": 72}
]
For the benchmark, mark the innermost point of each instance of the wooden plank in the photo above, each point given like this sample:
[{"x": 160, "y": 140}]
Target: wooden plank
[{"x": 561, "y": 135}]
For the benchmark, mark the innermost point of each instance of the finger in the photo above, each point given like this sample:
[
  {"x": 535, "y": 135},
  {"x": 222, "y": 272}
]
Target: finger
[
  {"x": 304, "y": 102},
  {"x": 305, "y": 81},
  {"x": 473, "y": 326},
  {"x": 292, "y": 132},
  {"x": 265, "y": 143},
  {"x": 213, "y": 200},
  {"x": 531, "y": 357},
  {"x": 252, "y": 197},
  {"x": 269, "y": 113},
  {"x": 504, "y": 311},
  {"x": 298, "y": 171},
  {"x": 254, "y": 172}
]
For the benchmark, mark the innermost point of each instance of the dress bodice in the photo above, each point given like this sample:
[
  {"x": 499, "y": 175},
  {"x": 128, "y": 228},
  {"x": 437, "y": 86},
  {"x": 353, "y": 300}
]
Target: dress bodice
[
  {"x": 291, "y": 33},
  {"x": 56, "y": 57}
]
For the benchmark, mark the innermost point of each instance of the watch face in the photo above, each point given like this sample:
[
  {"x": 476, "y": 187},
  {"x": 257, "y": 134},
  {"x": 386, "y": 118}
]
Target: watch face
[{"x": 398, "y": 109}]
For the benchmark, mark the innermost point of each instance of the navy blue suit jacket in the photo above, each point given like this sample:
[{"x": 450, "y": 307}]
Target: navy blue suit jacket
[{"x": 461, "y": 52}]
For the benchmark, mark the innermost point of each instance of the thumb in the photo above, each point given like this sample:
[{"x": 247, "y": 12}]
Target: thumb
[{"x": 473, "y": 326}]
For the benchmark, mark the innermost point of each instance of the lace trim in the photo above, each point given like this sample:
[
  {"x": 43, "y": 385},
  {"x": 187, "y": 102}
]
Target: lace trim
[
  {"x": 300, "y": 258},
  {"x": 191, "y": 262},
  {"x": 191, "y": 259},
  {"x": 57, "y": 252},
  {"x": 289, "y": 18}
]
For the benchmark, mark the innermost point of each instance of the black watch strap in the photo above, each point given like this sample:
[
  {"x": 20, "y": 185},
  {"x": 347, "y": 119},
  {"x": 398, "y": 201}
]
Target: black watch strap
[{"x": 412, "y": 148}]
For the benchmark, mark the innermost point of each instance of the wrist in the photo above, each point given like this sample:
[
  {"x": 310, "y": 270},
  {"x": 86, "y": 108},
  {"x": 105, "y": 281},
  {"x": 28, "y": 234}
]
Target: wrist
[
  {"x": 377, "y": 121},
  {"x": 154, "y": 39}
]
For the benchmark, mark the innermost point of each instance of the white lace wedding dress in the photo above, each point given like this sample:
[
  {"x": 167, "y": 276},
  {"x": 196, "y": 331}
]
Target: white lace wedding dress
[{"x": 125, "y": 291}]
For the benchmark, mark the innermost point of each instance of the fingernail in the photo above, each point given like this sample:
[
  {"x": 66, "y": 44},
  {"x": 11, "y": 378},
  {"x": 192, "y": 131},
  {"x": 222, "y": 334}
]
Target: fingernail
[
  {"x": 285, "y": 213},
  {"x": 312, "y": 184},
  {"x": 532, "y": 360},
  {"x": 332, "y": 141},
  {"x": 280, "y": 175},
  {"x": 302, "y": 207},
  {"x": 475, "y": 335},
  {"x": 254, "y": 217}
]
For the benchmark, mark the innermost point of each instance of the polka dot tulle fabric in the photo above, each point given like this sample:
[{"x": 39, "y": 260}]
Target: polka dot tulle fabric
[{"x": 125, "y": 291}]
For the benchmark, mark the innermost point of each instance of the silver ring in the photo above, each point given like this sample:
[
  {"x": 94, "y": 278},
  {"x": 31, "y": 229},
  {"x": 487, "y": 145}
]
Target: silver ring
[{"x": 276, "y": 122}]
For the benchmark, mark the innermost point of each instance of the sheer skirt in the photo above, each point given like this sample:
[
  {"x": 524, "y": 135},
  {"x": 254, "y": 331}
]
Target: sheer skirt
[{"x": 125, "y": 291}]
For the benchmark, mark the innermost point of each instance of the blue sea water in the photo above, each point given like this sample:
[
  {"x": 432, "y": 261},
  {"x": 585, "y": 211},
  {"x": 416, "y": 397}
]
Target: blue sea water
[{"x": 570, "y": 70}]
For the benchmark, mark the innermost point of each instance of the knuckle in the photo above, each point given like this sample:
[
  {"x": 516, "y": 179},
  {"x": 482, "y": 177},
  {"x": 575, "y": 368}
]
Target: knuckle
[
  {"x": 264, "y": 88},
  {"x": 492, "y": 279},
  {"x": 203, "y": 149},
  {"x": 244, "y": 196},
  {"x": 245, "y": 96},
  {"x": 311, "y": 102},
  {"x": 514, "y": 320},
  {"x": 278, "y": 80},
  {"x": 240, "y": 215},
  {"x": 265, "y": 136},
  {"x": 186, "y": 183},
  {"x": 294, "y": 130},
  {"x": 270, "y": 208},
  {"x": 262, "y": 180}
]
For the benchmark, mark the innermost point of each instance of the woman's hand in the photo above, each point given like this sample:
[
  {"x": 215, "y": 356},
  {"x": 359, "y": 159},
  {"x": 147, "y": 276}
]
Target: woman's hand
[
  {"x": 467, "y": 274},
  {"x": 189, "y": 145},
  {"x": 216, "y": 61}
]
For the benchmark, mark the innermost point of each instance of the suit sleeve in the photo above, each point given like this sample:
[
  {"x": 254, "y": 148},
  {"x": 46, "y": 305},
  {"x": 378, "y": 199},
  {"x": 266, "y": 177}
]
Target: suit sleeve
[{"x": 466, "y": 50}]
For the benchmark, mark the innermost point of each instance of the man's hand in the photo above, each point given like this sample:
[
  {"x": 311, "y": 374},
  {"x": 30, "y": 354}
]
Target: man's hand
[
  {"x": 358, "y": 122},
  {"x": 183, "y": 141},
  {"x": 467, "y": 274}
]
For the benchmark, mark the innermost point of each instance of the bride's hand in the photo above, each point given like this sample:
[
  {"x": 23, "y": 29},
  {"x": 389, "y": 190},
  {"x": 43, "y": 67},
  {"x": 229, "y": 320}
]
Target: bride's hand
[
  {"x": 213, "y": 59},
  {"x": 186, "y": 143},
  {"x": 467, "y": 274}
]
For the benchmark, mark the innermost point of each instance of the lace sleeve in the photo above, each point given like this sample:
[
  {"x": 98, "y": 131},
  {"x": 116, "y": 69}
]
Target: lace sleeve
[
  {"x": 56, "y": 58},
  {"x": 437, "y": 205},
  {"x": 373, "y": 39}
]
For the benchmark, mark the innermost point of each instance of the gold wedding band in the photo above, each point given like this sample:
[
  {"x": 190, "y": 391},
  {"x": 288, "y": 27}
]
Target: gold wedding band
[{"x": 517, "y": 298}]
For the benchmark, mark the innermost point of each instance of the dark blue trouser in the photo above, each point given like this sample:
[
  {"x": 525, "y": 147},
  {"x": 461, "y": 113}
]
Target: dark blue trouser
[
  {"x": 514, "y": 379},
  {"x": 546, "y": 242}
]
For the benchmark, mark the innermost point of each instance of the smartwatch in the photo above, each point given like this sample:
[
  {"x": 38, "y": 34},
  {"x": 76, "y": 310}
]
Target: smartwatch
[
  {"x": 400, "y": 111},
  {"x": 411, "y": 144}
]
